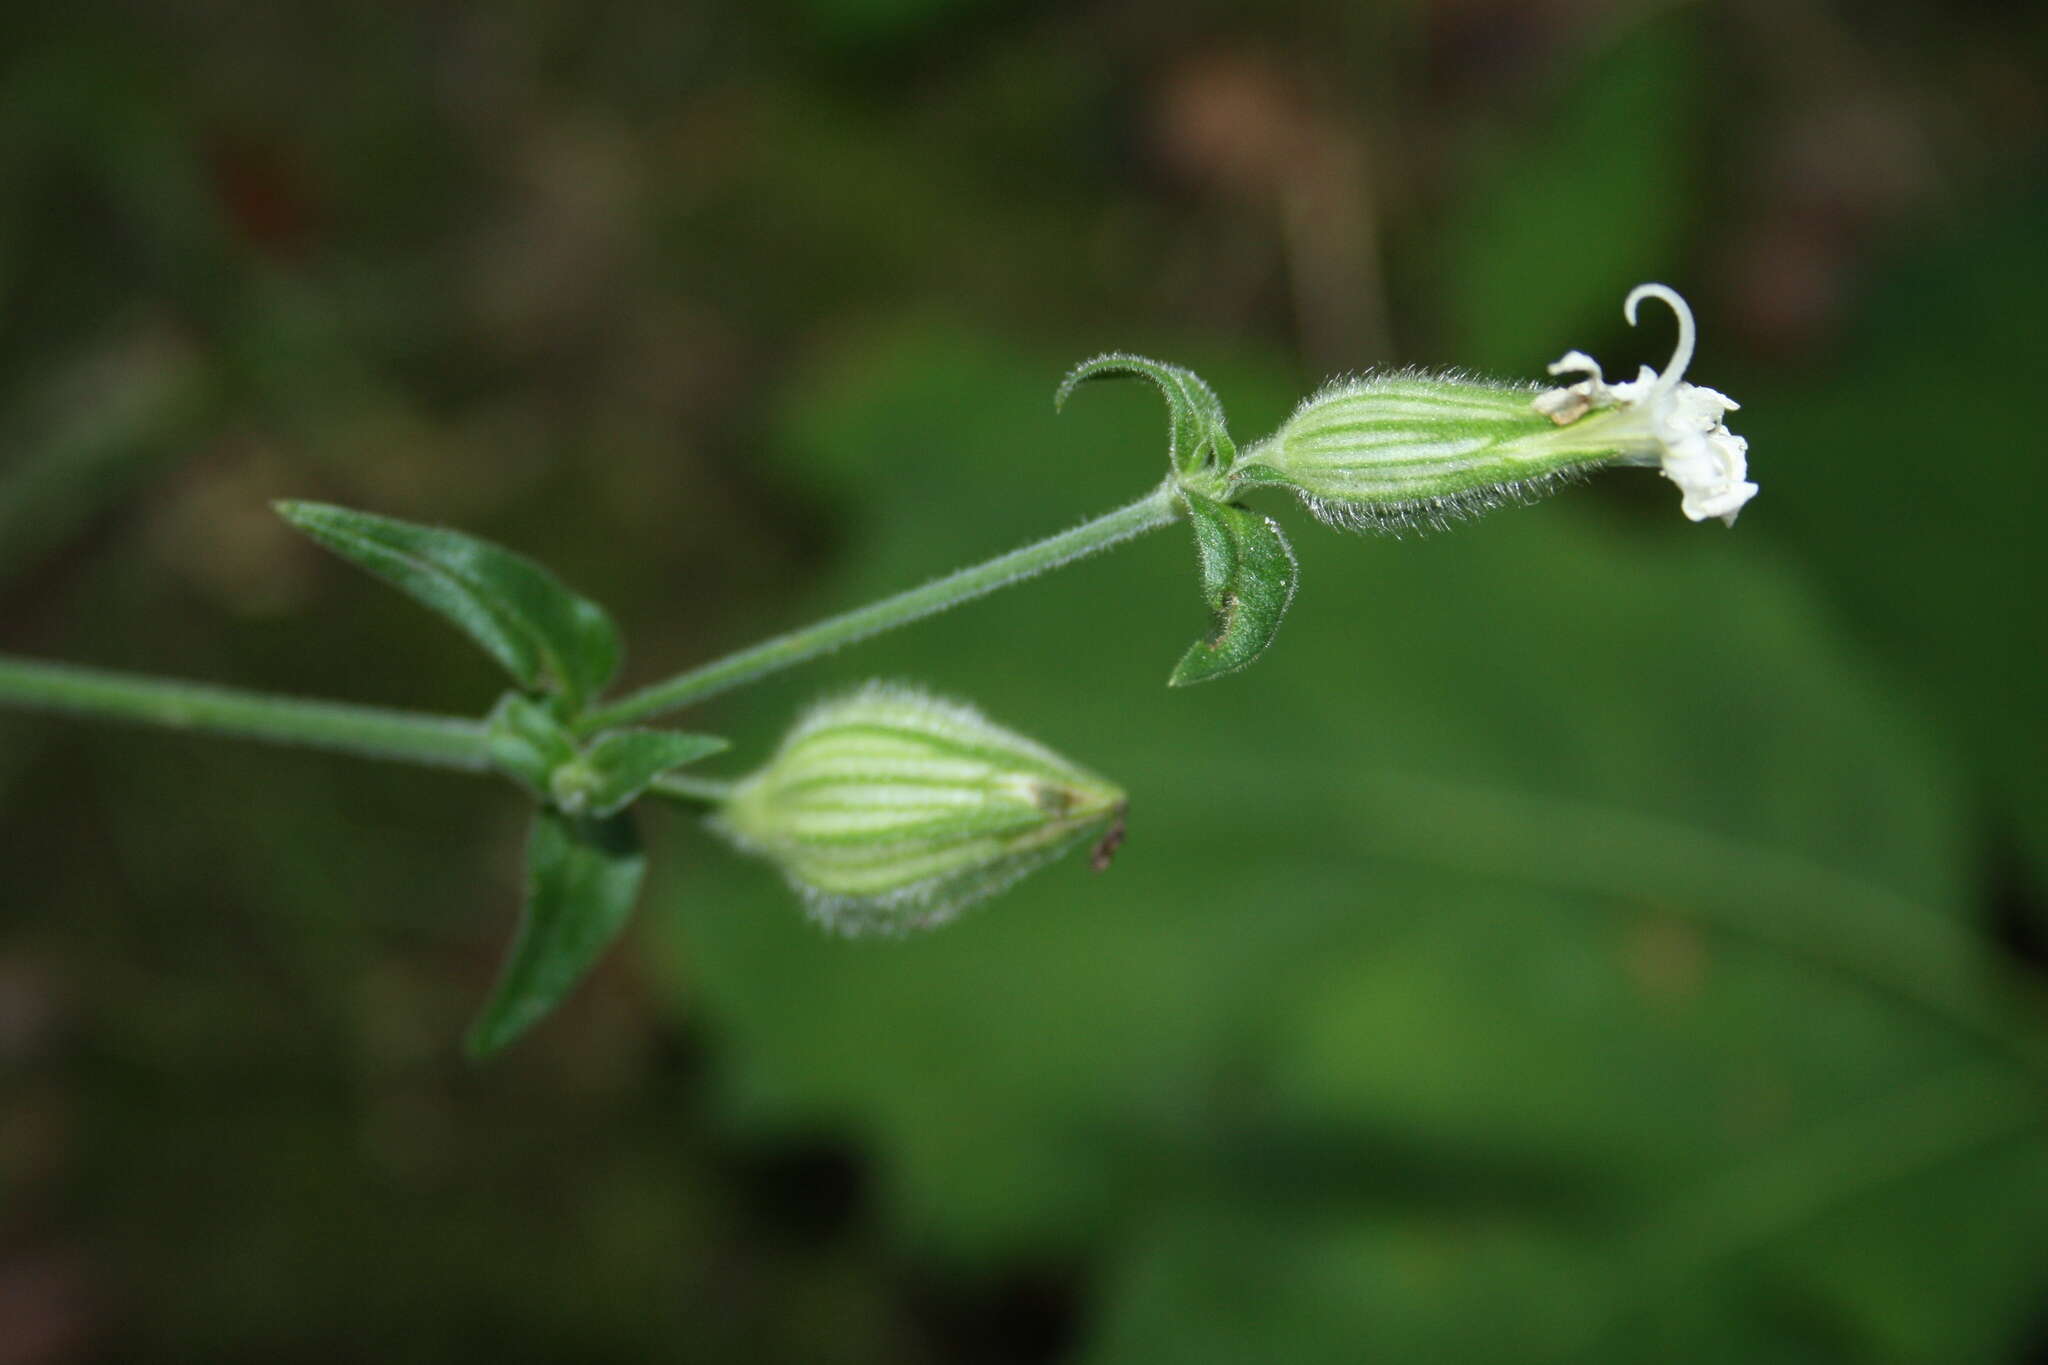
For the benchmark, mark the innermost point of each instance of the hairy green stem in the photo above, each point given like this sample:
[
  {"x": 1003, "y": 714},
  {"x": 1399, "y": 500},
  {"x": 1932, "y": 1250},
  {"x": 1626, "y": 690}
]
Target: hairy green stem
[
  {"x": 367, "y": 731},
  {"x": 453, "y": 742},
  {"x": 1156, "y": 509}
]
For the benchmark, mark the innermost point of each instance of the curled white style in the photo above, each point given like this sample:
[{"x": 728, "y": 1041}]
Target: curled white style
[{"x": 1681, "y": 423}]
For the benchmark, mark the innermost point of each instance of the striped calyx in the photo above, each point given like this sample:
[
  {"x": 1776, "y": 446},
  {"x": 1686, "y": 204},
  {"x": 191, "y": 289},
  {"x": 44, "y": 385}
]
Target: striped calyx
[
  {"x": 1389, "y": 451},
  {"x": 891, "y": 810},
  {"x": 1395, "y": 450}
]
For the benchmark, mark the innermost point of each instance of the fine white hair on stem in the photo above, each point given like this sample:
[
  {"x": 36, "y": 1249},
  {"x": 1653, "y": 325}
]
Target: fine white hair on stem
[{"x": 1681, "y": 354}]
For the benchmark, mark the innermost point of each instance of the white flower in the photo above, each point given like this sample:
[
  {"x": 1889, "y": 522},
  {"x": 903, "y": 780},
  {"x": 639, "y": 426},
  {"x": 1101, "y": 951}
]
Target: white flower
[{"x": 1679, "y": 424}]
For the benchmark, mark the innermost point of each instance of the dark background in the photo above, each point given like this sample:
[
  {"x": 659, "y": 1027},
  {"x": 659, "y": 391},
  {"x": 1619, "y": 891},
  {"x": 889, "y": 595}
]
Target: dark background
[{"x": 1584, "y": 936}]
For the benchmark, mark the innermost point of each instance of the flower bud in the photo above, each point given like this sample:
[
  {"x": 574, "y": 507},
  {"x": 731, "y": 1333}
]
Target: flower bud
[
  {"x": 891, "y": 810},
  {"x": 1389, "y": 451}
]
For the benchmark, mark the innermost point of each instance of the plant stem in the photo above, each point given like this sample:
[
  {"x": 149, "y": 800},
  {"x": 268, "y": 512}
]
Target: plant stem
[
  {"x": 367, "y": 731},
  {"x": 1156, "y": 509},
  {"x": 454, "y": 742}
]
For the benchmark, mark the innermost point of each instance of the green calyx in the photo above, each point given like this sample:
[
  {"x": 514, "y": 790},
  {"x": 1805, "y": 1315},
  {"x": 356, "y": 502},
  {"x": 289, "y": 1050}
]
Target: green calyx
[
  {"x": 1384, "y": 452},
  {"x": 891, "y": 810},
  {"x": 1392, "y": 451}
]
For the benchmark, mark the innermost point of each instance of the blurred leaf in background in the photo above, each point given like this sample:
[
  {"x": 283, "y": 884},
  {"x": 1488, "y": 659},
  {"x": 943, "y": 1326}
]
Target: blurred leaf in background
[
  {"x": 1552, "y": 881},
  {"x": 1937, "y": 446}
]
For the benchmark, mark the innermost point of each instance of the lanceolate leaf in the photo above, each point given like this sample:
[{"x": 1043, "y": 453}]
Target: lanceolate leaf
[
  {"x": 582, "y": 877},
  {"x": 1197, "y": 438},
  {"x": 617, "y": 766},
  {"x": 529, "y": 744},
  {"x": 1248, "y": 577},
  {"x": 543, "y": 634}
]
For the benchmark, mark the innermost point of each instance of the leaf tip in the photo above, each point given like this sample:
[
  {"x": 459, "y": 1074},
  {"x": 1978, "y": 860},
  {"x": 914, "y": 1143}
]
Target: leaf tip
[
  {"x": 1109, "y": 364},
  {"x": 486, "y": 1037},
  {"x": 320, "y": 520},
  {"x": 1203, "y": 663}
]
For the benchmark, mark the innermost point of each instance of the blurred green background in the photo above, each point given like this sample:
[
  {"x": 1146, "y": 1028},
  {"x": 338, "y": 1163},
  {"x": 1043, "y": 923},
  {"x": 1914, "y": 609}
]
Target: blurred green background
[{"x": 1585, "y": 936}]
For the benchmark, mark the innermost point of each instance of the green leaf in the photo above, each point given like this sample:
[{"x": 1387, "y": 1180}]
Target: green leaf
[
  {"x": 543, "y": 634},
  {"x": 1214, "y": 1281},
  {"x": 616, "y": 767},
  {"x": 1197, "y": 439},
  {"x": 582, "y": 876},
  {"x": 531, "y": 745},
  {"x": 1248, "y": 577},
  {"x": 1960, "y": 532}
]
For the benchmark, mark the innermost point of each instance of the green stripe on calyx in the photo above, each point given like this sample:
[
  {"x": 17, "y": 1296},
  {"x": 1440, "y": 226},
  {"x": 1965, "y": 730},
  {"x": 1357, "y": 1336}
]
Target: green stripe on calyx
[
  {"x": 1388, "y": 451},
  {"x": 890, "y": 810}
]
